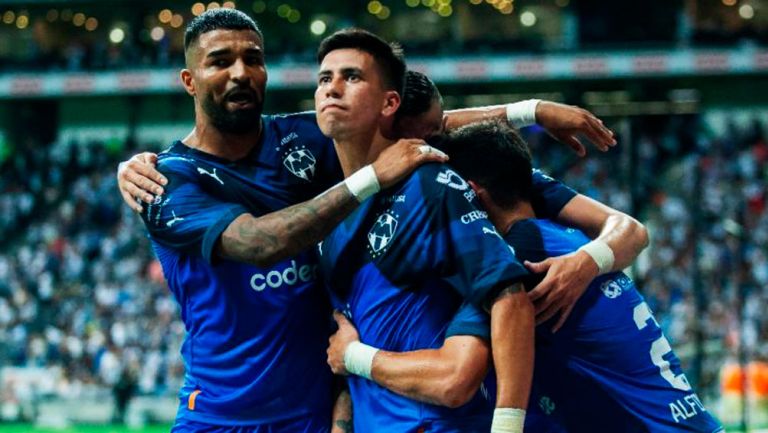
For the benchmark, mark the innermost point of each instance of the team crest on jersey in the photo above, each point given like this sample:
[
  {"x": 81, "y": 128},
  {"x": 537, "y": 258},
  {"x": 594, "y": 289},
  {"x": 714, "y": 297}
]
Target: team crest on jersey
[
  {"x": 613, "y": 288},
  {"x": 382, "y": 232},
  {"x": 300, "y": 162},
  {"x": 546, "y": 405},
  {"x": 453, "y": 180}
]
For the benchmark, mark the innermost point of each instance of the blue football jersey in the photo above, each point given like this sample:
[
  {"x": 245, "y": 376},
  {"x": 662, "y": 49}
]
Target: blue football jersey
[
  {"x": 609, "y": 368},
  {"x": 255, "y": 346},
  {"x": 401, "y": 266}
]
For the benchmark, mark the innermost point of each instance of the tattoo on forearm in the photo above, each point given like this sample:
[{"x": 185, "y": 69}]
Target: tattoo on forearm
[
  {"x": 285, "y": 233},
  {"x": 345, "y": 425}
]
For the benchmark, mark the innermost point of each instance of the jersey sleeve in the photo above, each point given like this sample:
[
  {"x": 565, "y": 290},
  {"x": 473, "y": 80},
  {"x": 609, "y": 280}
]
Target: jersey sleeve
[
  {"x": 186, "y": 217},
  {"x": 470, "y": 320},
  {"x": 465, "y": 247},
  {"x": 549, "y": 195}
]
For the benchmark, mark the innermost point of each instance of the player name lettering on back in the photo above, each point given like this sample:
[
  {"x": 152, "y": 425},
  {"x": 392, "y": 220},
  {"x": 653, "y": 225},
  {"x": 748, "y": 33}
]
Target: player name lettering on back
[
  {"x": 686, "y": 407},
  {"x": 473, "y": 216},
  {"x": 289, "y": 276}
]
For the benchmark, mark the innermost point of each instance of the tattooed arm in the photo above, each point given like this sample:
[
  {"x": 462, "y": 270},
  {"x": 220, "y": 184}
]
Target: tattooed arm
[
  {"x": 342, "y": 413},
  {"x": 267, "y": 239}
]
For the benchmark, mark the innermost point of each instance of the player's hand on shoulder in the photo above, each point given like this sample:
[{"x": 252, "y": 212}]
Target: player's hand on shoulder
[
  {"x": 567, "y": 122},
  {"x": 138, "y": 180},
  {"x": 401, "y": 158},
  {"x": 338, "y": 343},
  {"x": 567, "y": 278}
]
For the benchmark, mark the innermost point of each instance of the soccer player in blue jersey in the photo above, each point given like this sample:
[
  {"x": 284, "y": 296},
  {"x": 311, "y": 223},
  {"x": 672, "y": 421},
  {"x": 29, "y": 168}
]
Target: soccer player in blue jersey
[
  {"x": 609, "y": 368},
  {"x": 402, "y": 263},
  {"x": 234, "y": 246},
  {"x": 233, "y": 243}
]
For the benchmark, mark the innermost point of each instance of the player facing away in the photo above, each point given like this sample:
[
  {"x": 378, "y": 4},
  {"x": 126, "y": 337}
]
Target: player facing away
[
  {"x": 404, "y": 262},
  {"x": 609, "y": 368}
]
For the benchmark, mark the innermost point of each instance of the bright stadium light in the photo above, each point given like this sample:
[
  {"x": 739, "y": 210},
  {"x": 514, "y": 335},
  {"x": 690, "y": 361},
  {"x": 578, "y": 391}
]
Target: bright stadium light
[
  {"x": 528, "y": 18},
  {"x": 229, "y": 5},
  {"x": 157, "y": 34},
  {"x": 91, "y": 24},
  {"x": 165, "y": 16},
  {"x": 197, "y": 9},
  {"x": 318, "y": 27},
  {"x": 176, "y": 21},
  {"x": 22, "y": 21},
  {"x": 78, "y": 19},
  {"x": 116, "y": 35},
  {"x": 383, "y": 13},
  {"x": 746, "y": 12}
]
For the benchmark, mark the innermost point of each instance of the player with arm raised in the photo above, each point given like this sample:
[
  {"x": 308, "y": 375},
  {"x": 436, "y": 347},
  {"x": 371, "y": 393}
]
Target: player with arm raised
[
  {"x": 611, "y": 353},
  {"x": 233, "y": 242}
]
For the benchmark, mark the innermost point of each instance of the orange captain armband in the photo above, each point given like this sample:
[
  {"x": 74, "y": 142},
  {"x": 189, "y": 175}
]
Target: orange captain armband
[{"x": 191, "y": 399}]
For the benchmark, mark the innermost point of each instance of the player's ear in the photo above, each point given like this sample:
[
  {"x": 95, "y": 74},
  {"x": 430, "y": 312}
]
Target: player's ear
[
  {"x": 482, "y": 194},
  {"x": 391, "y": 103},
  {"x": 188, "y": 82}
]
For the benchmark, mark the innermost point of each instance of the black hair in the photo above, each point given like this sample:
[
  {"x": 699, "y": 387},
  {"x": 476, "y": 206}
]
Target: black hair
[
  {"x": 419, "y": 94},
  {"x": 492, "y": 154},
  {"x": 389, "y": 57},
  {"x": 215, "y": 19}
]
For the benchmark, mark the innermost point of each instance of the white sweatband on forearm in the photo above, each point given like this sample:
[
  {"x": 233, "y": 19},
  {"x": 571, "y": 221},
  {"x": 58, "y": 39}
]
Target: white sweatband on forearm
[
  {"x": 358, "y": 359},
  {"x": 363, "y": 183},
  {"x": 523, "y": 113},
  {"x": 508, "y": 420},
  {"x": 601, "y": 253}
]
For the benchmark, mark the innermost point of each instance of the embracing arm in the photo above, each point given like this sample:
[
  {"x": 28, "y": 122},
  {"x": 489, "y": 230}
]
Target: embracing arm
[
  {"x": 626, "y": 236},
  {"x": 512, "y": 339},
  {"x": 447, "y": 376},
  {"x": 568, "y": 276},
  {"x": 563, "y": 122},
  {"x": 269, "y": 238}
]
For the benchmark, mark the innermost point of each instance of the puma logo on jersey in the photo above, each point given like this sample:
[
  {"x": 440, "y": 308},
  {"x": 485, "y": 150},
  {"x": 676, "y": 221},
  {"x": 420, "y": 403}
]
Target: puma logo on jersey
[
  {"x": 211, "y": 174},
  {"x": 173, "y": 221},
  {"x": 493, "y": 232}
]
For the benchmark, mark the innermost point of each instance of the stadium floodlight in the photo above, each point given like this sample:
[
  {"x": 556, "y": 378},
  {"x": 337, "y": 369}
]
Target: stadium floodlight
[
  {"x": 116, "y": 35},
  {"x": 318, "y": 27},
  {"x": 528, "y": 18},
  {"x": 747, "y": 12},
  {"x": 157, "y": 34}
]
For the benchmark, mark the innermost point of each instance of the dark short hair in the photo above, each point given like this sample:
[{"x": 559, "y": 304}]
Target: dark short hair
[
  {"x": 388, "y": 56},
  {"x": 492, "y": 154},
  {"x": 217, "y": 19},
  {"x": 418, "y": 95}
]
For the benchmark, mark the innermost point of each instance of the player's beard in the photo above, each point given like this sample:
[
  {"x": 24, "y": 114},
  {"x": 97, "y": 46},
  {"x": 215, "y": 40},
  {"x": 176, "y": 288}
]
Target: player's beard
[{"x": 240, "y": 121}]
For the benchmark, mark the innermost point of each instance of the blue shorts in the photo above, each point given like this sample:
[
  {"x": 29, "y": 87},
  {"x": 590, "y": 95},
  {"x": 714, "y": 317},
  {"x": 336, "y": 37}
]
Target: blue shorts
[
  {"x": 303, "y": 425},
  {"x": 610, "y": 368}
]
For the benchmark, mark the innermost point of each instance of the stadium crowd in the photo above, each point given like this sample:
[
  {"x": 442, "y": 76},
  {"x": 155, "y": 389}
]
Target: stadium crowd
[{"x": 83, "y": 302}]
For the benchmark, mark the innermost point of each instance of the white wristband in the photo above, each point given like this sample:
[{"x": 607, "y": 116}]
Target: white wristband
[
  {"x": 358, "y": 359},
  {"x": 601, "y": 253},
  {"x": 523, "y": 113},
  {"x": 508, "y": 420},
  {"x": 363, "y": 183}
]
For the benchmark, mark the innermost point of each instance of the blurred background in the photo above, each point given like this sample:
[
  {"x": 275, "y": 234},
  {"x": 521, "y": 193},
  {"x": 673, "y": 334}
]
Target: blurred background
[{"x": 89, "y": 335}]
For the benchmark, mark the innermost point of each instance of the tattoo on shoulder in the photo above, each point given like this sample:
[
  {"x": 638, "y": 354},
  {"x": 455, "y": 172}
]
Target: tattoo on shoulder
[{"x": 345, "y": 425}]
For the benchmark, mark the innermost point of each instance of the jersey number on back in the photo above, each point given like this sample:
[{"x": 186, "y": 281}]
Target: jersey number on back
[{"x": 642, "y": 315}]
